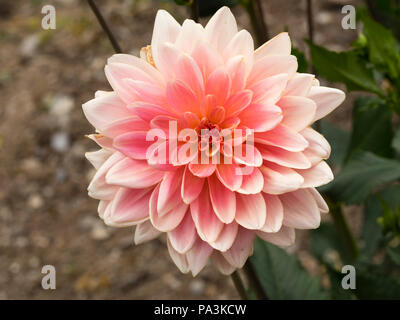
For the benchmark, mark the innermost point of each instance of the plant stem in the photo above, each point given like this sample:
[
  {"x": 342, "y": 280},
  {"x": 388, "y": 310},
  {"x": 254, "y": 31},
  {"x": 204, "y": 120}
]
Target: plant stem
[
  {"x": 104, "y": 25},
  {"x": 195, "y": 10},
  {"x": 310, "y": 21},
  {"x": 254, "y": 281},
  {"x": 254, "y": 9},
  {"x": 344, "y": 231},
  {"x": 237, "y": 281}
]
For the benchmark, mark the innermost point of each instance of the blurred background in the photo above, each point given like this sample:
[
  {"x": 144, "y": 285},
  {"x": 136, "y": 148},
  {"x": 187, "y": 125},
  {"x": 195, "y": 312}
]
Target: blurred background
[{"x": 46, "y": 217}]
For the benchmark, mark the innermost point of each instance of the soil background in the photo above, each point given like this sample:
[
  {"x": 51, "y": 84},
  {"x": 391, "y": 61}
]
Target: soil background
[{"x": 46, "y": 217}]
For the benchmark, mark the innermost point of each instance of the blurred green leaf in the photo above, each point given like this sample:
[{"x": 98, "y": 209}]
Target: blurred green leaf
[
  {"x": 372, "y": 127},
  {"x": 361, "y": 174},
  {"x": 281, "y": 274},
  {"x": 382, "y": 45},
  {"x": 396, "y": 141},
  {"x": 371, "y": 233},
  {"x": 338, "y": 139},
  {"x": 394, "y": 254},
  {"x": 324, "y": 240},
  {"x": 345, "y": 67},
  {"x": 374, "y": 283},
  {"x": 336, "y": 290},
  {"x": 301, "y": 60}
]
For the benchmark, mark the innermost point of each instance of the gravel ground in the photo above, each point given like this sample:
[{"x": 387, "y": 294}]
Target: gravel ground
[{"x": 46, "y": 217}]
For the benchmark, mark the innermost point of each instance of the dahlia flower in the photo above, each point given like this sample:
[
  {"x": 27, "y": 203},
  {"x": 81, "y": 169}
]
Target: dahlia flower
[{"x": 210, "y": 78}]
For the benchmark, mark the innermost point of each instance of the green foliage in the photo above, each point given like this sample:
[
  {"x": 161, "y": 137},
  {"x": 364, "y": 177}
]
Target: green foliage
[
  {"x": 362, "y": 174},
  {"x": 346, "y": 67},
  {"x": 324, "y": 241},
  {"x": 372, "y": 127},
  {"x": 382, "y": 46},
  {"x": 339, "y": 141},
  {"x": 281, "y": 274},
  {"x": 301, "y": 60}
]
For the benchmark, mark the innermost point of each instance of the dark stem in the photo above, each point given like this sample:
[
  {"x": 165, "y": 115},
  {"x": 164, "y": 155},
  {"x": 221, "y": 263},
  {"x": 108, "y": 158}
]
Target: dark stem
[
  {"x": 237, "y": 281},
  {"x": 344, "y": 231},
  {"x": 195, "y": 10},
  {"x": 254, "y": 281},
  {"x": 254, "y": 9},
  {"x": 310, "y": 21},
  {"x": 104, "y": 25}
]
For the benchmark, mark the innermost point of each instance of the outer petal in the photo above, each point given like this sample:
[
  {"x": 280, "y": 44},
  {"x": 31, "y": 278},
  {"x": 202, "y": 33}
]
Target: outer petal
[
  {"x": 241, "y": 249},
  {"x": 273, "y": 222},
  {"x": 178, "y": 258},
  {"x": 191, "y": 186},
  {"x": 206, "y": 221},
  {"x": 284, "y": 237},
  {"x": 251, "y": 211},
  {"x": 326, "y": 99},
  {"x": 300, "y": 210},
  {"x": 226, "y": 238},
  {"x": 145, "y": 232},
  {"x": 197, "y": 257},
  {"x": 317, "y": 175},
  {"x": 183, "y": 237},
  {"x": 278, "y": 45},
  {"x": 279, "y": 180},
  {"x": 298, "y": 112},
  {"x": 223, "y": 200},
  {"x": 222, "y": 264}
]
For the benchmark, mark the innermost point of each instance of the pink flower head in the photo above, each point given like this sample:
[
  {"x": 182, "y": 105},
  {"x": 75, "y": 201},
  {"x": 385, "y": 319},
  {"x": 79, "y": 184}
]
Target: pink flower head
[{"x": 210, "y": 78}]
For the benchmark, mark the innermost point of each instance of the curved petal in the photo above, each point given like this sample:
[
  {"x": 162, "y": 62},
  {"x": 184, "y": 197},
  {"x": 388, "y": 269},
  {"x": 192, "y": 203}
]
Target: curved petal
[
  {"x": 178, "y": 258},
  {"x": 296, "y": 160},
  {"x": 183, "y": 236},
  {"x": 284, "y": 237},
  {"x": 230, "y": 175},
  {"x": 273, "y": 222},
  {"x": 145, "y": 232},
  {"x": 326, "y": 99},
  {"x": 197, "y": 257},
  {"x": 298, "y": 112},
  {"x": 222, "y": 264},
  {"x": 241, "y": 249},
  {"x": 251, "y": 210},
  {"x": 278, "y": 45},
  {"x": 317, "y": 175},
  {"x": 191, "y": 186},
  {"x": 252, "y": 183},
  {"x": 226, "y": 237},
  {"x": 223, "y": 200}
]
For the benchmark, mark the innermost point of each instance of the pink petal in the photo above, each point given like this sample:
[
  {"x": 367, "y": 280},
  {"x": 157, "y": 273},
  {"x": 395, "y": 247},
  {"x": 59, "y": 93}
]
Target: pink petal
[
  {"x": 206, "y": 58},
  {"x": 298, "y": 112},
  {"x": 191, "y": 186},
  {"x": 170, "y": 220},
  {"x": 322, "y": 205},
  {"x": 207, "y": 223},
  {"x": 230, "y": 175},
  {"x": 269, "y": 90},
  {"x": 318, "y": 148},
  {"x": 189, "y": 73},
  {"x": 181, "y": 98},
  {"x": 252, "y": 183},
  {"x": 317, "y": 175},
  {"x": 197, "y": 256},
  {"x": 278, "y": 179},
  {"x": 134, "y": 174},
  {"x": 191, "y": 33},
  {"x": 278, "y": 45},
  {"x": 282, "y": 137},
  {"x": 238, "y": 102},
  {"x": 202, "y": 170},
  {"x": 223, "y": 200},
  {"x": 183, "y": 236},
  {"x": 104, "y": 110},
  {"x": 271, "y": 65},
  {"x": 241, "y": 45},
  {"x": 260, "y": 117},
  {"x": 166, "y": 29},
  {"x": 220, "y": 262},
  {"x": 226, "y": 237},
  {"x": 219, "y": 85},
  {"x": 129, "y": 207},
  {"x": 147, "y": 92},
  {"x": 251, "y": 211},
  {"x": 98, "y": 187},
  {"x": 97, "y": 158},
  {"x": 242, "y": 248},
  {"x": 148, "y": 111},
  {"x": 170, "y": 191},
  {"x": 236, "y": 69},
  {"x": 300, "y": 210},
  {"x": 145, "y": 232},
  {"x": 299, "y": 85},
  {"x": 284, "y": 237},
  {"x": 248, "y": 155},
  {"x": 120, "y": 127},
  {"x": 178, "y": 258},
  {"x": 326, "y": 99},
  {"x": 221, "y": 28},
  {"x": 133, "y": 144},
  {"x": 273, "y": 222},
  {"x": 296, "y": 160}
]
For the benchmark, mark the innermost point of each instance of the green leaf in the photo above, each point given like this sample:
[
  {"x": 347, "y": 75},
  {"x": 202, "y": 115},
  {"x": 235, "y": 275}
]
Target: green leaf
[
  {"x": 372, "y": 127},
  {"x": 396, "y": 141},
  {"x": 382, "y": 46},
  {"x": 373, "y": 283},
  {"x": 338, "y": 139},
  {"x": 362, "y": 173},
  {"x": 394, "y": 254},
  {"x": 301, "y": 60},
  {"x": 345, "y": 67},
  {"x": 281, "y": 274},
  {"x": 324, "y": 240},
  {"x": 371, "y": 233}
]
